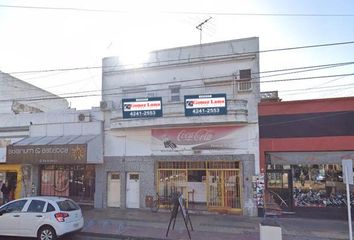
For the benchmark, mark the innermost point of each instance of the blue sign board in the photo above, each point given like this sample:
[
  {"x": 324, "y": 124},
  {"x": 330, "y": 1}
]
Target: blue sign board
[
  {"x": 142, "y": 107},
  {"x": 207, "y": 104}
]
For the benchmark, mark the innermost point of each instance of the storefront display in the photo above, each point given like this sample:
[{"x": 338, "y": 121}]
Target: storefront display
[
  {"x": 74, "y": 181},
  {"x": 208, "y": 185},
  {"x": 319, "y": 186},
  {"x": 316, "y": 185},
  {"x": 65, "y": 165}
]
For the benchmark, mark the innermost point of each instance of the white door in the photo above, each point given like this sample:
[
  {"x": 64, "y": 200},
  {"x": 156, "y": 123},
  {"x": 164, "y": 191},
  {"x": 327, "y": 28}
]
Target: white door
[
  {"x": 133, "y": 194},
  {"x": 113, "y": 189}
]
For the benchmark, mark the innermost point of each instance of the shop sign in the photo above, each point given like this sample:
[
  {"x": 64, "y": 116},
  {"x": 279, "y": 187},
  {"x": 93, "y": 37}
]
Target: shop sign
[
  {"x": 142, "y": 107},
  {"x": 202, "y": 105},
  {"x": 206, "y": 138},
  {"x": 47, "y": 154}
]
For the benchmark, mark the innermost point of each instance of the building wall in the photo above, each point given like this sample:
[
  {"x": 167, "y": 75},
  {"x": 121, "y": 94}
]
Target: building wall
[
  {"x": 15, "y": 127},
  {"x": 18, "y": 96},
  {"x": 201, "y": 69},
  {"x": 306, "y": 126}
]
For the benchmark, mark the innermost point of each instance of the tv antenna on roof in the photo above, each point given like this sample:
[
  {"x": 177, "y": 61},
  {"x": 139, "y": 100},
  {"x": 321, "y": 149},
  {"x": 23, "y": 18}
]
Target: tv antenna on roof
[{"x": 200, "y": 27}]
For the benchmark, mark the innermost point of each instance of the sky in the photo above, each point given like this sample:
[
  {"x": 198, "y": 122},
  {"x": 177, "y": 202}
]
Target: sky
[{"x": 47, "y": 35}]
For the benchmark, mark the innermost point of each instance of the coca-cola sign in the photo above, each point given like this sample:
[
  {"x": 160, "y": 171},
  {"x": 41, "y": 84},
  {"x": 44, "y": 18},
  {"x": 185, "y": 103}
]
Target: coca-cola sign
[{"x": 191, "y": 136}]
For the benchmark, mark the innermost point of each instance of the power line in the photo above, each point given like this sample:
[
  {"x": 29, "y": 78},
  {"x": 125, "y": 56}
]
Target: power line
[
  {"x": 318, "y": 90},
  {"x": 287, "y": 72},
  {"x": 316, "y": 67},
  {"x": 50, "y": 97},
  {"x": 181, "y": 12},
  {"x": 204, "y": 58},
  {"x": 308, "y": 78}
]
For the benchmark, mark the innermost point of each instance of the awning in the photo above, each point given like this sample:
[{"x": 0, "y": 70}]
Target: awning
[
  {"x": 296, "y": 158},
  {"x": 72, "y": 149}
]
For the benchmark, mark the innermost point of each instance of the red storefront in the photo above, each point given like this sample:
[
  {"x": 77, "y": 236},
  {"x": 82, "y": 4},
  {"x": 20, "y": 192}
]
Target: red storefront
[{"x": 302, "y": 144}]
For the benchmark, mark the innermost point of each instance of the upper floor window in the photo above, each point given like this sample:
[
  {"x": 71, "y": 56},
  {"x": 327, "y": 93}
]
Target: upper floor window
[
  {"x": 175, "y": 93},
  {"x": 244, "y": 82}
]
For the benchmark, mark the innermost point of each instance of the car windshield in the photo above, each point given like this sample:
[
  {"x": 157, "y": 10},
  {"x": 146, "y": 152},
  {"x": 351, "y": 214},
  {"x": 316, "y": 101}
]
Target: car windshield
[{"x": 68, "y": 205}]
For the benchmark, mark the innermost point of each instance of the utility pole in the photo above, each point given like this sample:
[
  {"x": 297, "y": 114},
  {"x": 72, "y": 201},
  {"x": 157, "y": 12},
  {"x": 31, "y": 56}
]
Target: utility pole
[{"x": 200, "y": 27}]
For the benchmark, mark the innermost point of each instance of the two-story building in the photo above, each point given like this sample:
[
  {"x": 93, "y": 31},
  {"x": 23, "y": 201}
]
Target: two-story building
[
  {"x": 46, "y": 148},
  {"x": 18, "y": 100},
  {"x": 184, "y": 121}
]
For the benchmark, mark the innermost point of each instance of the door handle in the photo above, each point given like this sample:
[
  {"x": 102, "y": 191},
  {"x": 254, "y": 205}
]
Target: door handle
[
  {"x": 16, "y": 216},
  {"x": 39, "y": 215}
]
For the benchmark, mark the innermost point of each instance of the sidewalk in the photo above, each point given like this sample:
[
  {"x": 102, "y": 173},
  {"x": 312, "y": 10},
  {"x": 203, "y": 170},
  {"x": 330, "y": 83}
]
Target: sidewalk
[{"x": 143, "y": 224}]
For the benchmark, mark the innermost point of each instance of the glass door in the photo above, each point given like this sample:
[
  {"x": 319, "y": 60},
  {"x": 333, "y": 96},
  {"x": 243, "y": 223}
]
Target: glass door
[{"x": 279, "y": 185}]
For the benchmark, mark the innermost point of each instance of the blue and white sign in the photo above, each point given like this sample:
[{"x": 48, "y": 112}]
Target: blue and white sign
[
  {"x": 202, "y": 105},
  {"x": 142, "y": 107}
]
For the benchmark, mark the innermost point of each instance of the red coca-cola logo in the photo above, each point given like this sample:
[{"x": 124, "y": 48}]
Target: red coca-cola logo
[
  {"x": 192, "y": 136},
  {"x": 201, "y": 135}
]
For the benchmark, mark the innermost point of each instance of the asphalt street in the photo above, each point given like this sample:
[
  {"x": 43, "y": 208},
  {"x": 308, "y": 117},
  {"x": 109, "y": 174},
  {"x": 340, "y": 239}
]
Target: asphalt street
[{"x": 70, "y": 237}]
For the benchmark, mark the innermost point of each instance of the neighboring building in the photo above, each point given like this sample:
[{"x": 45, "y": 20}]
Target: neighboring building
[
  {"x": 45, "y": 147},
  {"x": 17, "y": 96},
  {"x": 58, "y": 153},
  {"x": 184, "y": 121},
  {"x": 302, "y": 145}
]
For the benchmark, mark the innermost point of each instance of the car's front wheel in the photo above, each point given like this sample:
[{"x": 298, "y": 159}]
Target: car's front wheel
[{"x": 46, "y": 233}]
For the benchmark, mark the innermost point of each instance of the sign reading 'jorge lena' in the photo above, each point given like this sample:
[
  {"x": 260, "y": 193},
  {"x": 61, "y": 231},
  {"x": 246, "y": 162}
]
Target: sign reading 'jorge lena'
[
  {"x": 47, "y": 154},
  {"x": 211, "y": 104},
  {"x": 142, "y": 107}
]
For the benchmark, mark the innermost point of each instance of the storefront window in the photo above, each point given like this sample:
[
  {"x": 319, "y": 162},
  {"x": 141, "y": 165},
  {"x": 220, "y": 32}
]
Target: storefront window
[
  {"x": 76, "y": 182},
  {"x": 214, "y": 184},
  {"x": 318, "y": 185}
]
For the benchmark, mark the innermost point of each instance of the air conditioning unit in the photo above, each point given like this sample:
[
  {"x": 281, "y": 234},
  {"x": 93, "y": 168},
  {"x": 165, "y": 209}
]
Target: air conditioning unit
[
  {"x": 106, "y": 105},
  {"x": 84, "y": 117}
]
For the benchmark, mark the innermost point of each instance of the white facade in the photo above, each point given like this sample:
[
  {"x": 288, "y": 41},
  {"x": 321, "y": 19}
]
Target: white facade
[
  {"x": 48, "y": 130},
  {"x": 171, "y": 74},
  {"x": 18, "y": 96}
]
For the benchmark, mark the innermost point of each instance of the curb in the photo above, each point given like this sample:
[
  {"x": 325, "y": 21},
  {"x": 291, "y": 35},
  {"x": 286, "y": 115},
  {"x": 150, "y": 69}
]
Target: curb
[{"x": 115, "y": 236}]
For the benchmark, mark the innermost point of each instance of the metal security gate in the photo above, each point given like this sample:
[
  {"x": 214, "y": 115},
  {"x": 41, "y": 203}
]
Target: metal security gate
[
  {"x": 224, "y": 186},
  {"x": 221, "y": 185}
]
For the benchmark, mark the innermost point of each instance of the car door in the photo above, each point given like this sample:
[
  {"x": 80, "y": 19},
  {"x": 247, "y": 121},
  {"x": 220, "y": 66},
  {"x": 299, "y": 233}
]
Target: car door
[
  {"x": 33, "y": 216},
  {"x": 11, "y": 218}
]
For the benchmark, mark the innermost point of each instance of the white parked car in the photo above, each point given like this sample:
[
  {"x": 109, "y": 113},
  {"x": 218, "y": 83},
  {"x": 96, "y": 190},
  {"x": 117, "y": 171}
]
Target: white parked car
[{"x": 43, "y": 217}]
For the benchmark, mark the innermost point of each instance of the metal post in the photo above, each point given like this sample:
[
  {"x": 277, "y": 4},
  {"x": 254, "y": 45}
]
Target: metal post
[{"x": 348, "y": 203}]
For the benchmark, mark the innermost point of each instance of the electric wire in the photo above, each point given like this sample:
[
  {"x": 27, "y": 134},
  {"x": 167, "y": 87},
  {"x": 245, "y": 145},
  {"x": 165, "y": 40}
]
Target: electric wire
[
  {"x": 202, "y": 59},
  {"x": 145, "y": 91},
  {"x": 287, "y": 70},
  {"x": 180, "y": 12}
]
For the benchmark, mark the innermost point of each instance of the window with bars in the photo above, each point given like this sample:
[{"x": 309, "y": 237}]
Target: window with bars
[
  {"x": 244, "y": 82},
  {"x": 199, "y": 165}
]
